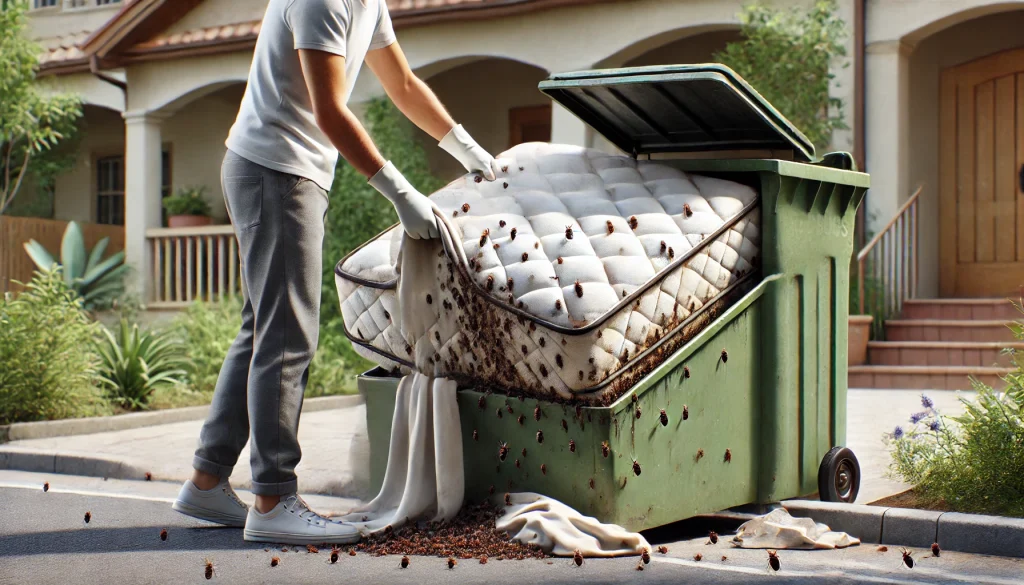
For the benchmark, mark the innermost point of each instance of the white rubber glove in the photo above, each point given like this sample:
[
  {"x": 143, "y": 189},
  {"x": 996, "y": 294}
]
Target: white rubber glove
[
  {"x": 415, "y": 210},
  {"x": 461, "y": 145}
]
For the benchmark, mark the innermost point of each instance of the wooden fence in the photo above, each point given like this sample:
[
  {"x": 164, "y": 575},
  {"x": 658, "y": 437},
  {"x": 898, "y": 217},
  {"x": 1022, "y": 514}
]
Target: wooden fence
[{"x": 15, "y": 264}]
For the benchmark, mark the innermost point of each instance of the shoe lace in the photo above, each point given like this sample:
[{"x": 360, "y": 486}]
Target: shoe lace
[
  {"x": 231, "y": 494},
  {"x": 304, "y": 512}
]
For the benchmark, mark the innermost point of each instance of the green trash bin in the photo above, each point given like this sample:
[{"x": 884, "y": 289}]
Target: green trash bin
[{"x": 755, "y": 403}]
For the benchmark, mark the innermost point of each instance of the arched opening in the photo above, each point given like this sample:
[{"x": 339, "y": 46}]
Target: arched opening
[
  {"x": 966, "y": 127},
  {"x": 496, "y": 100}
]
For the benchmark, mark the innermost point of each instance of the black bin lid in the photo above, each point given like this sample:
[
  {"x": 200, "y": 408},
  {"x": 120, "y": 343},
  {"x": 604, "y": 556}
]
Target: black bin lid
[{"x": 676, "y": 108}]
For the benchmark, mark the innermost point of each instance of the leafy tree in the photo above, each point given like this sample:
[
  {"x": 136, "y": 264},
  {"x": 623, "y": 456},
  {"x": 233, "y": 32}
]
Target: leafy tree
[
  {"x": 30, "y": 123},
  {"x": 789, "y": 56}
]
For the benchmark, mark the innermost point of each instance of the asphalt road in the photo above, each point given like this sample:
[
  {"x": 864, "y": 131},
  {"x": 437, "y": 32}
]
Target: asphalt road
[{"x": 44, "y": 539}]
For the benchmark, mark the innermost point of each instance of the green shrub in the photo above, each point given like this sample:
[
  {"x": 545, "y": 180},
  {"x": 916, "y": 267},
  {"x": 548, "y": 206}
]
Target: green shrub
[
  {"x": 788, "y": 56},
  {"x": 47, "y": 368},
  {"x": 208, "y": 329},
  {"x": 971, "y": 463},
  {"x": 99, "y": 282},
  {"x": 133, "y": 364},
  {"x": 187, "y": 201}
]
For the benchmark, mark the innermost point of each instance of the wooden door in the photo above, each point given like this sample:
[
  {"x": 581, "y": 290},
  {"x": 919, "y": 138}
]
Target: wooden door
[{"x": 981, "y": 237}]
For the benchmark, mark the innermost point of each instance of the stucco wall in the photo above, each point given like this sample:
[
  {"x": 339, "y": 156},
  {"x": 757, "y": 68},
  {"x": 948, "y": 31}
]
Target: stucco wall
[
  {"x": 953, "y": 46},
  {"x": 219, "y": 12},
  {"x": 75, "y": 193},
  {"x": 88, "y": 87},
  {"x": 49, "y": 23}
]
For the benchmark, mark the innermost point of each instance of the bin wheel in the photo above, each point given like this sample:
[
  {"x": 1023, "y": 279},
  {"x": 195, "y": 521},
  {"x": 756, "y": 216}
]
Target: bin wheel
[{"x": 839, "y": 476}]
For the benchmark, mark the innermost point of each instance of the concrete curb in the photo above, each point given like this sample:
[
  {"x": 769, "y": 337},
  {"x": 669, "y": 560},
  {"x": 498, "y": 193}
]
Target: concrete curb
[
  {"x": 121, "y": 422},
  {"x": 969, "y": 533}
]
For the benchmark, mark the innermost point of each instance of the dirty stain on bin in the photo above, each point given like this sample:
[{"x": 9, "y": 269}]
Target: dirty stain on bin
[{"x": 776, "y": 405}]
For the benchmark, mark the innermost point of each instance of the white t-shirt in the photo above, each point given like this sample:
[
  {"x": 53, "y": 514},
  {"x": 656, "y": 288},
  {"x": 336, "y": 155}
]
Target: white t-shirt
[{"x": 275, "y": 126}]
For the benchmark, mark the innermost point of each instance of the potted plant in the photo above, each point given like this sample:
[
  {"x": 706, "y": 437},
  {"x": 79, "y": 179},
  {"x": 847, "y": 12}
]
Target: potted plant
[
  {"x": 860, "y": 334},
  {"x": 187, "y": 208}
]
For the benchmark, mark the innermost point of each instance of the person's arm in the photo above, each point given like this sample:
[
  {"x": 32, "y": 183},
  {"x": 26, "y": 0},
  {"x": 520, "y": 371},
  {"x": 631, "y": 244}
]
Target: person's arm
[
  {"x": 324, "y": 74},
  {"x": 419, "y": 103}
]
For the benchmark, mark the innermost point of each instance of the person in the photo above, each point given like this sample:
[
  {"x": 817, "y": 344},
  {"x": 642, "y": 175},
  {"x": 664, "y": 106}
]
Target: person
[{"x": 282, "y": 149}]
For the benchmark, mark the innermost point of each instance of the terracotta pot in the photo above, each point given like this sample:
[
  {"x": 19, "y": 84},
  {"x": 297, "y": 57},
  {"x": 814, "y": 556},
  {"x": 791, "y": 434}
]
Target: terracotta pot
[
  {"x": 860, "y": 334},
  {"x": 182, "y": 221}
]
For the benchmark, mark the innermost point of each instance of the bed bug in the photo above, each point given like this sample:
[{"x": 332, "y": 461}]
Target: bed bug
[
  {"x": 508, "y": 499},
  {"x": 149, "y": 476},
  {"x": 483, "y": 560},
  {"x": 524, "y": 451},
  {"x": 482, "y": 403},
  {"x": 712, "y": 537},
  {"x": 686, "y": 210},
  {"x": 572, "y": 446},
  {"x": 465, "y": 208},
  {"x": 490, "y": 282},
  {"x": 686, "y": 371},
  {"x": 907, "y": 559},
  {"x": 505, "y": 185},
  {"x": 610, "y": 226},
  {"x": 455, "y": 213},
  {"x": 478, "y": 178},
  {"x": 209, "y": 570},
  {"x": 451, "y": 563},
  {"x": 490, "y": 491},
  {"x": 728, "y": 455},
  {"x": 314, "y": 550},
  {"x": 88, "y": 517},
  {"x": 163, "y": 534},
  {"x": 560, "y": 260},
  {"x": 565, "y": 425},
  {"x": 577, "y": 558},
  {"x": 525, "y": 257},
  {"x": 935, "y": 549},
  {"x": 579, "y": 289},
  {"x": 543, "y": 371},
  {"x": 591, "y": 483},
  {"x": 725, "y": 356},
  {"x": 286, "y": 549},
  {"x": 543, "y": 469},
  {"x": 502, "y": 450},
  {"x": 405, "y": 562},
  {"x": 334, "y": 554},
  {"x": 496, "y": 245},
  {"x": 517, "y": 464},
  {"x": 663, "y": 550},
  {"x": 521, "y": 419},
  {"x": 46, "y": 487},
  {"x": 558, "y": 360},
  {"x": 430, "y": 301},
  {"x": 638, "y": 412},
  {"x": 636, "y": 467},
  {"x": 501, "y": 223},
  {"x": 568, "y": 232},
  {"x": 633, "y": 222},
  {"x": 671, "y": 253},
  {"x": 700, "y": 453},
  {"x": 605, "y": 448},
  {"x": 724, "y": 558},
  {"x": 664, "y": 418},
  {"x": 639, "y": 566},
  {"x": 351, "y": 552},
  {"x": 773, "y": 560},
  {"x": 698, "y": 557},
  {"x": 664, "y": 246},
  {"x": 483, "y": 237},
  {"x": 645, "y": 556},
  {"x": 512, "y": 234},
  {"x": 558, "y": 304},
  {"x": 883, "y": 549}
]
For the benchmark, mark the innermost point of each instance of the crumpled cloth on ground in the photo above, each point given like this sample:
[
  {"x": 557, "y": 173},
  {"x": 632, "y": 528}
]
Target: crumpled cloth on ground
[
  {"x": 560, "y": 530},
  {"x": 425, "y": 480},
  {"x": 779, "y": 530}
]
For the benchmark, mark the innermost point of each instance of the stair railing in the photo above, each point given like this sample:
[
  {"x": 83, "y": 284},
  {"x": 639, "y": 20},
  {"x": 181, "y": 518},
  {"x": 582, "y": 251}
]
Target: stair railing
[{"x": 887, "y": 268}]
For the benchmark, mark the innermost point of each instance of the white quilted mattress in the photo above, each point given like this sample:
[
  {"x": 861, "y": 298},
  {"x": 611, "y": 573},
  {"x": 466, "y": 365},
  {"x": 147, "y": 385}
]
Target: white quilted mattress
[{"x": 568, "y": 278}]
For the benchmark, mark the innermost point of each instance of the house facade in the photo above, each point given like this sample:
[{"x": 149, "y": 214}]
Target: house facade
[{"x": 934, "y": 98}]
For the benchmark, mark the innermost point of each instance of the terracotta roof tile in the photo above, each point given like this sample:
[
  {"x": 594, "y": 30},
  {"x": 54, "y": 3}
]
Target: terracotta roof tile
[
  {"x": 239, "y": 31},
  {"x": 60, "y": 50}
]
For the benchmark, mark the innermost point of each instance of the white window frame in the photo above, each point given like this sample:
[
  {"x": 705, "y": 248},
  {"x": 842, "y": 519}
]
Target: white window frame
[
  {"x": 78, "y": 5},
  {"x": 35, "y": 7}
]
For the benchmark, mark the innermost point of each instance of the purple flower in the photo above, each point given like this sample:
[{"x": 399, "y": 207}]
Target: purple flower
[
  {"x": 935, "y": 425},
  {"x": 898, "y": 433},
  {"x": 926, "y": 402},
  {"x": 917, "y": 417}
]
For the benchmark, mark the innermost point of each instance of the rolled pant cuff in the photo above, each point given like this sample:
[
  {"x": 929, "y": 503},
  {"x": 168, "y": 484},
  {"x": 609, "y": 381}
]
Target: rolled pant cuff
[
  {"x": 275, "y": 489},
  {"x": 222, "y": 471}
]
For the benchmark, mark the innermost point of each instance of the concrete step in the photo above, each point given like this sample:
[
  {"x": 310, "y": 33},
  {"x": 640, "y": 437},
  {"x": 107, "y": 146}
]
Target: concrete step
[
  {"x": 961, "y": 309},
  {"x": 947, "y": 330},
  {"x": 941, "y": 353},
  {"x": 924, "y": 377}
]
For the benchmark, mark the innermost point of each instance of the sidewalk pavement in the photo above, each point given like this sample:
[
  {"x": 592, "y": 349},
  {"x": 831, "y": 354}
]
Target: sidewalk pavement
[{"x": 335, "y": 458}]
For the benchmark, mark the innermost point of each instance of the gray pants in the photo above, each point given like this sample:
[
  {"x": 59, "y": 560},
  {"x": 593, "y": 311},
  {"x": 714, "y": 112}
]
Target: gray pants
[{"x": 279, "y": 221}]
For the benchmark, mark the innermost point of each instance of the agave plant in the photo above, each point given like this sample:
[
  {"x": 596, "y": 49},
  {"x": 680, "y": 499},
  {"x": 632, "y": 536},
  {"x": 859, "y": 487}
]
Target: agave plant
[
  {"x": 97, "y": 280},
  {"x": 133, "y": 364}
]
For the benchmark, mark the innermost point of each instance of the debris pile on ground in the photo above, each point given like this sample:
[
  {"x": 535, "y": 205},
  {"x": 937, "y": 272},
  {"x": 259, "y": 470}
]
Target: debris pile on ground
[{"x": 469, "y": 535}]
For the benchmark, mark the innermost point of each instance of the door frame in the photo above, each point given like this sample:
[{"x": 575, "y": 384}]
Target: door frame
[{"x": 951, "y": 80}]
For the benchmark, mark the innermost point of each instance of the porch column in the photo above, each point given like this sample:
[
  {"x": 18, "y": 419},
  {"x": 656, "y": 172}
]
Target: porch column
[
  {"x": 142, "y": 196},
  {"x": 566, "y": 128},
  {"x": 887, "y": 117}
]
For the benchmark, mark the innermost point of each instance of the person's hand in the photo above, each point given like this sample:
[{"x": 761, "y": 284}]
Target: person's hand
[
  {"x": 415, "y": 210},
  {"x": 473, "y": 157}
]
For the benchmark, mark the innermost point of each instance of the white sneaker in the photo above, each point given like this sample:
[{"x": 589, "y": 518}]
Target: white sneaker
[
  {"x": 292, "y": 522},
  {"x": 219, "y": 505}
]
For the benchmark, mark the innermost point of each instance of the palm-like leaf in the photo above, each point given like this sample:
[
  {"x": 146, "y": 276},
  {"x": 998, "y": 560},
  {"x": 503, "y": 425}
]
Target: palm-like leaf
[
  {"x": 97, "y": 254},
  {"x": 40, "y": 257},
  {"x": 100, "y": 270},
  {"x": 134, "y": 364}
]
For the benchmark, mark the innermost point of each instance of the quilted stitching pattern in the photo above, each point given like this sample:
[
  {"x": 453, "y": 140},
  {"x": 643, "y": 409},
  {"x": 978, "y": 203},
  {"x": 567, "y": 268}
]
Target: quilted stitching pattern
[{"x": 564, "y": 234}]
